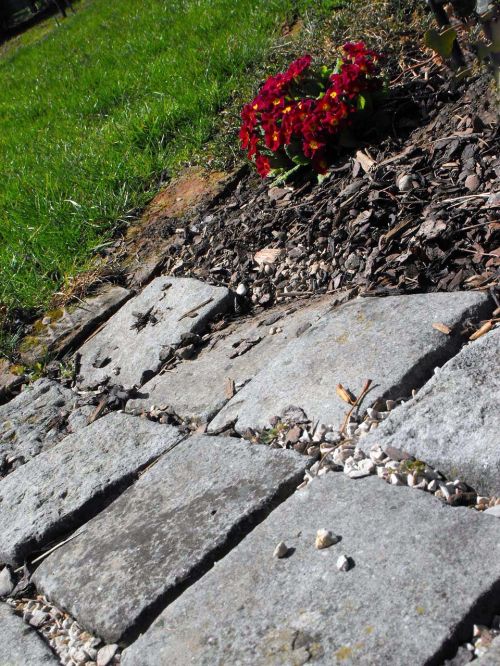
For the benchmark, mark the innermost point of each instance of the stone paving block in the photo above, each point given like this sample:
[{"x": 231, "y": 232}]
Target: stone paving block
[
  {"x": 66, "y": 327},
  {"x": 33, "y": 421},
  {"x": 389, "y": 340},
  {"x": 196, "y": 390},
  {"x": 453, "y": 423},
  {"x": 52, "y": 492},
  {"x": 20, "y": 645},
  {"x": 127, "y": 349},
  {"x": 164, "y": 529},
  {"x": 412, "y": 583}
]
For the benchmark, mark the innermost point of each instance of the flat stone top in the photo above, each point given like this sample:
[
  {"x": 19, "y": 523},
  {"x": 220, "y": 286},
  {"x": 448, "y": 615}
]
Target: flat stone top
[
  {"x": 127, "y": 349},
  {"x": 20, "y": 645},
  {"x": 389, "y": 340},
  {"x": 196, "y": 389},
  {"x": 45, "y": 496},
  {"x": 453, "y": 423},
  {"x": 66, "y": 327},
  {"x": 163, "y": 529},
  {"x": 413, "y": 581},
  {"x": 33, "y": 421}
]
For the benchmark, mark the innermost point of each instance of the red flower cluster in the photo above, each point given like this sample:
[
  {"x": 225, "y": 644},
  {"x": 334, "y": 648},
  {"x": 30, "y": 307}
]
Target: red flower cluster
[{"x": 287, "y": 120}]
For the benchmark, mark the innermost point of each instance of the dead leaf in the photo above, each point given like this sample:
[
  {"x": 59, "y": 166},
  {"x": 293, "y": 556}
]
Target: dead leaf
[
  {"x": 441, "y": 327},
  {"x": 487, "y": 326},
  {"x": 365, "y": 161},
  {"x": 229, "y": 388},
  {"x": 345, "y": 394},
  {"x": 268, "y": 255}
]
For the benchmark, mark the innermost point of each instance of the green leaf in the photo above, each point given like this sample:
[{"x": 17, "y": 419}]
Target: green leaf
[
  {"x": 323, "y": 176},
  {"x": 361, "y": 102},
  {"x": 294, "y": 152},
  {"x": 284, "y": 176},
  {"x": 441, "y": 43}
]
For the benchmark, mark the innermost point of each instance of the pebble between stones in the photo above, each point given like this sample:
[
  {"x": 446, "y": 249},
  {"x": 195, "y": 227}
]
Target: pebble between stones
[
  {"x": 72, "y": 644},
  {"x": 106, "y": 654},
  {"x": 7, "y": 582}
]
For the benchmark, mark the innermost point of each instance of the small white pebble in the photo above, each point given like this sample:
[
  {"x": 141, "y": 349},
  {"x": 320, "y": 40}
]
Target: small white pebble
[
  {"x": 281, "y": 550},
  {"x": 396, "y": 479},
  {"x": 343, "y": 563},
  {"x": 324, "y": 539}
]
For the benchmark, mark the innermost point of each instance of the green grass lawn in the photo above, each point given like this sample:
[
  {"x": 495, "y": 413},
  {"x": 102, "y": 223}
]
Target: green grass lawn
[{"x": 93, "y": 112}]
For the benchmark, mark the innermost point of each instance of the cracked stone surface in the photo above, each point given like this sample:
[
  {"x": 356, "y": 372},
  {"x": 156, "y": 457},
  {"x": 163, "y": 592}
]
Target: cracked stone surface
[
  {"x": 412, "y": 582},
  {"x": 163, "y": 529},
  {"x": 44, "y": 497},
  {"x": 453, "y": 423},
  {"x": 389, "y": 340},
  {"x": 20, "y": 645},
  {"x": 196, "y": 389},
  {"x": 33, "y": 421},
  {"x": 127, "y": 349},
  {"x": 64, "y": 328}
]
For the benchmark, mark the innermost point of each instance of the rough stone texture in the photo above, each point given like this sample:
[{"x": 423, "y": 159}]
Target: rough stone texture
[
  {"x": 389, "y": 340},
  {"x": 9, "y": 381},
  {"x": 122, "y": 354},
  {"x": 413, "y": 580},
  {"x": 33, "y": 422},
  {"x": 66, "y": 327},
  {"x": 59, "y": 487},
  {"x": 196, "y": 390},
  {"x": 454, "y": 421},
  {"x": 20, "y": 645},
  {"x": 492, "y": 657},
  {"x": 163, "y": 529}
]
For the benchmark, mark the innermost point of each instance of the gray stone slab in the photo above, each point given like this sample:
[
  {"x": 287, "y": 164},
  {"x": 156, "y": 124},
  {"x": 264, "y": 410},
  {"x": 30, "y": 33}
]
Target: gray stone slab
[
  {"x": 58, "y": 488},
  {"x": 453, "y": 423},
  {"x": 166, "y": 527},
  {"x": 33, "y": 421},
  {"x": 127, "y": 352},
  {"x": 389, "y": 340},
  {"x": 64, "y": 328},
  {"x": 196, "y": 390},
  {"x": 20, "y": 645},
  {"x": 412, "y": 584}
]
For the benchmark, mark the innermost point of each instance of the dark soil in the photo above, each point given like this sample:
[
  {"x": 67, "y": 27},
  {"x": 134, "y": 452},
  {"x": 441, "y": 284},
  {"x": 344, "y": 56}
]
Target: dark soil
[{"x": 424, "y": 217}]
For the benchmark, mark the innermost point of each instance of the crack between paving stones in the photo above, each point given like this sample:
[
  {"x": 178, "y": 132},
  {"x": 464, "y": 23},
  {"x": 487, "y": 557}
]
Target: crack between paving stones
[
  {"x": 480, "y": 613},
  {"x": 419, "y": 375},
  {"x": 237, "y": 533},
  {"x": 79, "y": 518}
]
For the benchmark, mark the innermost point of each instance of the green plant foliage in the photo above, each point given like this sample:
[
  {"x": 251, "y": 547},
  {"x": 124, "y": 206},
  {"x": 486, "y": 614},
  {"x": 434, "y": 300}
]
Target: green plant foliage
[
  {"x": 481, "y": 22},
  {"x": 441, "y": 42},
  {"x": 94, "y": 112}
]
